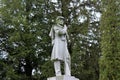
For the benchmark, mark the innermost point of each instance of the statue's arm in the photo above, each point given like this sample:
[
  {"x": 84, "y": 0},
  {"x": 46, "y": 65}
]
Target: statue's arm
[{"x": 52, "y": 35}]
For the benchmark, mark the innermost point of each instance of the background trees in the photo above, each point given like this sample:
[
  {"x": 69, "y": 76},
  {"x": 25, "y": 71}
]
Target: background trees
[
  {"x": 26, "y": 38},
  {"x": 110, "y": 41},
  {"x": 25, "y": 46}
]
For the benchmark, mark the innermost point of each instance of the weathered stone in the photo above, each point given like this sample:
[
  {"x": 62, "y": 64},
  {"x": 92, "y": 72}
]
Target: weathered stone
[{"x": 63, "y": 77}]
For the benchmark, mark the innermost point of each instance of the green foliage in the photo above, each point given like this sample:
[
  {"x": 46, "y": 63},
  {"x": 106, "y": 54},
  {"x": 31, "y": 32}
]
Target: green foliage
[
  {"x": 85, "y": 43},
  {"x": 48, "y": 68},
  {"x": 110, "y": 40},
  {"x": 26, "y": 25},
  {"x": 26, "y": 45}
]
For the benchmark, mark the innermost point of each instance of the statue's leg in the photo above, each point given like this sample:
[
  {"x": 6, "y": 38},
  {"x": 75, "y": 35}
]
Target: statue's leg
[
  {"x": 67, "y": 67},
  {"x": 57, "y": 68}
]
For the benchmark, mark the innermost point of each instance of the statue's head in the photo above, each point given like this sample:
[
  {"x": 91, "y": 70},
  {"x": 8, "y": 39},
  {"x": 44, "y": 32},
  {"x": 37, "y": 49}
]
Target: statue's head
[{"x": 60, "y": 20}]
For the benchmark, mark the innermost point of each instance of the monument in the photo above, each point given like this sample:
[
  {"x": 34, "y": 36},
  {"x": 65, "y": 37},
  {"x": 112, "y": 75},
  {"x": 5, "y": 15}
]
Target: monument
[{"x": 60, "y": 51}]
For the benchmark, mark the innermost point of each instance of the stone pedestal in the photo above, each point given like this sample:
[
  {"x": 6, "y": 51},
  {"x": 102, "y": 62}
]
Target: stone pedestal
[{"x": 63, "y": 77}]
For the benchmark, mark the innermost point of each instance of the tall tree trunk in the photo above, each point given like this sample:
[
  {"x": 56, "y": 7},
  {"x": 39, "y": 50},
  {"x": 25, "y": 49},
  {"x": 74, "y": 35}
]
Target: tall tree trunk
[{"x": 28, "y": 68}]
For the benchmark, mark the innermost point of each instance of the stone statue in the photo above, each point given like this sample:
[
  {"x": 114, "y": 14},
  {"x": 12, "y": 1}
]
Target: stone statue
[{"x": 60, "y": 52}]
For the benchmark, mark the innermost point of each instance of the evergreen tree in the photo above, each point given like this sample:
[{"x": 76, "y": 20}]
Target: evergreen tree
[
  {"x": 27, "y": 42},
  {"x": 110, "y": 41}
]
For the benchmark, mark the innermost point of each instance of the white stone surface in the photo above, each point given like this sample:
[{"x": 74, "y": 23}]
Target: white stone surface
[
  {"x": 63, "y": 77},
  {"x": 60, "y": 51}
]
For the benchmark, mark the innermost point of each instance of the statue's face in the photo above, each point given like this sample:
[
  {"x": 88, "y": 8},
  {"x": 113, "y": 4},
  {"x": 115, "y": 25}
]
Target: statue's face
[{"x": 60, "y": 21}]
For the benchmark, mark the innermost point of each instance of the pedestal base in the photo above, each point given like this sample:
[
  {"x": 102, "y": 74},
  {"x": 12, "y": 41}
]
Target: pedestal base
[{"x": 63, "y": 77}]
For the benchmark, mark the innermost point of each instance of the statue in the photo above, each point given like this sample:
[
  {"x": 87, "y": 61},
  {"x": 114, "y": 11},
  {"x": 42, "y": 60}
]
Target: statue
[{"x": 60, "y": 52}]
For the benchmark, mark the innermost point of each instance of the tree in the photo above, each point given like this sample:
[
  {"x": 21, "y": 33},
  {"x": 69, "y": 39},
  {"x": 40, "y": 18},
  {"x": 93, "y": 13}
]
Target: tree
[
  {"x": 110, "y": 41},
  {"x": 26, "y": 45}
]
